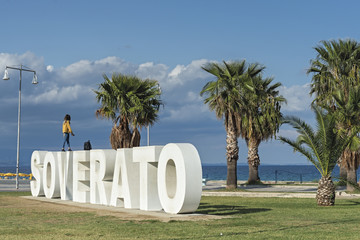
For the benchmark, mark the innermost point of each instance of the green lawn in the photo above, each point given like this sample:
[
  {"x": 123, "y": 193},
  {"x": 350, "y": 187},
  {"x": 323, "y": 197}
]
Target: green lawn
[{"x": 248, "y": 218}]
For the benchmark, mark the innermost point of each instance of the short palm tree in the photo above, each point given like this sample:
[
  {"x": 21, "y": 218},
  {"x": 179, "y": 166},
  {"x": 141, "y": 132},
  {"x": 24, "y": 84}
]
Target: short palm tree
[
  {"x": 131, "y": 103},
  {"x": 322, "y": 148},
  {"x": 260, "y": 119},
  {"x": 225, "y": 96}
]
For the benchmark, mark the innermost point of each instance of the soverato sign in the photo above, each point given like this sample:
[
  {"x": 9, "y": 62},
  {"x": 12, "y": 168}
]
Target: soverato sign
[{"x": 147, "y": 178}]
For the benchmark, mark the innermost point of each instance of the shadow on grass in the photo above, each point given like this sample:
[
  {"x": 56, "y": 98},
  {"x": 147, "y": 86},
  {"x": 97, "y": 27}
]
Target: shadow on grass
[
  {"x": 348, "y": 202},
  {"x": 222, "y": 210},
  {"x": 277, "y": 229}
]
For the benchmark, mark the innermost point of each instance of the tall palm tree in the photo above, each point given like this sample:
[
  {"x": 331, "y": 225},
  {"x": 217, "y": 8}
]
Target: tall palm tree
[
  {"x": 225, "y": 96},
  {"x": 336, "y": 68},
  {"x": 260, "y": 119},
  {"x": 348, "y": 120},
  {"x": 131, "y": 103},
  {"x": 321, "y": 147}
]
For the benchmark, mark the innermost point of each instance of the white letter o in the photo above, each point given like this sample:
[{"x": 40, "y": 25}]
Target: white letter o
[
  {"x": 51, "y": 180},
  {"x": 179, "y": 178}
]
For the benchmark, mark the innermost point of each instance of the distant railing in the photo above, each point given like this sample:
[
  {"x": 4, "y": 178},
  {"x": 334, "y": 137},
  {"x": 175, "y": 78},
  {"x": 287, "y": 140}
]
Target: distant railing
[{"x": 297, "y": 174}]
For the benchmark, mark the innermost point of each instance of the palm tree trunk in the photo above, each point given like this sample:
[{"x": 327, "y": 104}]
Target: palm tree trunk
[
  {"x": 343, "y": 175},
  {"x": 351, "y": 180},
  {"x": 253, "y": 160},
  {"x": 232, "y": 155},
  {"x": 325, "y": 194},
  {"x": 351, "y": 160},
  {"x": 135, "y": 138},
  {"x": 120, "y": 136}
]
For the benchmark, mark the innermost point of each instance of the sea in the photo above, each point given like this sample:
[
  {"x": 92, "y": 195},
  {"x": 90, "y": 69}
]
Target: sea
[{"x": 301, "y": 173}]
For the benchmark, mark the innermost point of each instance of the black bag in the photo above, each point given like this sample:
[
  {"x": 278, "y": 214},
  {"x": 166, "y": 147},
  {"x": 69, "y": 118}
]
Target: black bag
[{"x": 87, "y": 145}]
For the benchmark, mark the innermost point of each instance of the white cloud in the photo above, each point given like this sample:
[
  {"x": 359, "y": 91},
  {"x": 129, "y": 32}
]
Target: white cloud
[
  {"x": 181, "y": 85},
  {"x": 193, "y": 96},
  {"x": 59, "y": 95},
  {"x": 28, "y": 59},
  {"x": 188, "y": 113},
  {"x": 181, "y": 74},
  {"x": 152, "y": 71},
  {"x": 86, "y": 71},
  {"x": 298, "y": 98}
]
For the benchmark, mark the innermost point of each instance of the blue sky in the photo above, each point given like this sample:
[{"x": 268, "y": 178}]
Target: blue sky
[{"x": 72, "y": 43}]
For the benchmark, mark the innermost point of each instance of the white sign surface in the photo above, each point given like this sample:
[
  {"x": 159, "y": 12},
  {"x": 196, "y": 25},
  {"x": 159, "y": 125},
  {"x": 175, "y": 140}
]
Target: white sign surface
[{"x": 148, "y": 178}]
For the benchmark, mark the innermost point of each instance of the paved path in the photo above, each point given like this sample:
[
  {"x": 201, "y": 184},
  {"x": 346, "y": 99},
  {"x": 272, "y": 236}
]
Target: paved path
[
  {"x": 305, "y": 190},
  {"x": 212, "y": 187},
  {"x": 9, "y": 185}
]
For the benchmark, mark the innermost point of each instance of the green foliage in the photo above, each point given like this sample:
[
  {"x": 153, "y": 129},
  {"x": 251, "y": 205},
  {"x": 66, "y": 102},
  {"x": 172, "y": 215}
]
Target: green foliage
[
  {"x": 261, "y": 117},
  {"x": 130, "y": 102},
  {"x": 241, "y": 91},
  {"x": 129, "y": 97},
  {"x": 225, "y": 95},
  {"x": 336, "y": 67},
  {"x": 347, "y": 114},
  {"x": 336, "y": 83},
  {"x": 323, "y": 146}
]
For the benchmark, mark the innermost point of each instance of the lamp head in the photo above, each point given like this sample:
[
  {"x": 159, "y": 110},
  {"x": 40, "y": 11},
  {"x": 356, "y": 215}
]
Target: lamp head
[
  {"x": 35, "y": 81},
  {"x": 6, "y": 75}
]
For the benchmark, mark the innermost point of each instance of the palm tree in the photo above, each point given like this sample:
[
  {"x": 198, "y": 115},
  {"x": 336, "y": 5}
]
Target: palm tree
[
  {"x": 225, "y": 96},
  {"x": 336, "y": 68},
  {"x": 322, "y": 148},
  {"x": 131, "y": 103},
  {"x": 348, "y": 120},
  {"x": 260, "y": 119}
]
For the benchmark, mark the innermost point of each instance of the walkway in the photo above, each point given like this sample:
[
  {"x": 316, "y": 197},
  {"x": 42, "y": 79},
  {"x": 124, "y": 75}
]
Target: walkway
[{"x": 305, "y": 190}]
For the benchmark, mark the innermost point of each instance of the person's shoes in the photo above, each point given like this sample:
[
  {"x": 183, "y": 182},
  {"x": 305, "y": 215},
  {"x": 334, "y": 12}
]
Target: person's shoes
[
  {"x": 69, "y": 149},
  {"x": 63, "y": 149}
]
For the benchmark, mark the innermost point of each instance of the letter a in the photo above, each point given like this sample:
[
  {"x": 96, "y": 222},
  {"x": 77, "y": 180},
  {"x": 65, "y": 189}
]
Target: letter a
[
  {"x": 125, "y": 190},
  {"x": 148, "y": 158}
]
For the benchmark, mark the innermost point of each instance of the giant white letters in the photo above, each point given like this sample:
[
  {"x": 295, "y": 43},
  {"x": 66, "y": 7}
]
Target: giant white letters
[
  {"x": 81, "y": 176},
  {"x": 37, "y": 165},
  {"x": 179, "y": 183},
  {"x": 148, "y": 158},
  {"x": 65, "y": 174},
  {"x": 150, "y": 178},
  {"x": 101, "y": 173},
  {"x": 51, "y": 180},
  {"x": 125, "y": 191}
]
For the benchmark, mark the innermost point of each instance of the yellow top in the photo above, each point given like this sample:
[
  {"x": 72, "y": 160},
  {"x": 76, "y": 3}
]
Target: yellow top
[{"x": 66, "y": 127}]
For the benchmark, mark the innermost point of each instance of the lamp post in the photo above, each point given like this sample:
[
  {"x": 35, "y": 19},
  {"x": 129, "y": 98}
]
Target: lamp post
[
  {"x": 148, "y": 135},
  {"x": 6, "y": 77},
  {"x": 148, "y": 127}
]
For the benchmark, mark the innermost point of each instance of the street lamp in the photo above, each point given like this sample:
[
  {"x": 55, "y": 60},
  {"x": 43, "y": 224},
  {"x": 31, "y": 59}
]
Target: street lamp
[
  {"x": 148, "y": 128},
  {"x": 34, "y": 81}
]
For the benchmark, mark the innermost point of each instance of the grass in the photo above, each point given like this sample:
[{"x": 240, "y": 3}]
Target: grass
[{"x": 247, "y": 218}]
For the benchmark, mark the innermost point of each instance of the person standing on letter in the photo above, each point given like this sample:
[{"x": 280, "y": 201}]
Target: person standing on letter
[{"x": 66, "y": 132}]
